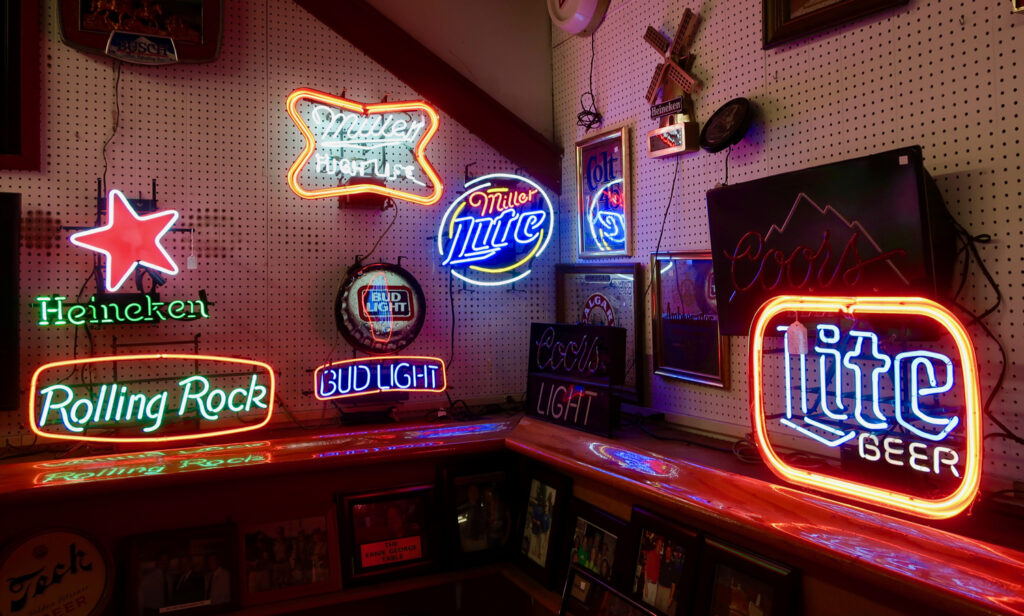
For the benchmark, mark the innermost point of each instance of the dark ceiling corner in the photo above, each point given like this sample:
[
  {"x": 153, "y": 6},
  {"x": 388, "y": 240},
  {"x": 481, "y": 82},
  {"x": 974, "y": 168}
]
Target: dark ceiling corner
[{"x": 443, "y": 86}]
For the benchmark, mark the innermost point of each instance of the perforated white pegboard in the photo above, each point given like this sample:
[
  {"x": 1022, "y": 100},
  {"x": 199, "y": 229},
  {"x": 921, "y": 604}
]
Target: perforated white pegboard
[
  {"x": 217, "y": 139},
  {"x": 942, "y": 75}
]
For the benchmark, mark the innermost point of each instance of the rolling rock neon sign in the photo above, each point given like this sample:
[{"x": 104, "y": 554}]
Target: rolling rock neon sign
[
  {"x": 375, "y": 375},
  {"x": 491, "y": 234},
  {"x": 158, "y": 407},
  {"x": 377, "y": 148},
  {"x": 902, "y": 418}
]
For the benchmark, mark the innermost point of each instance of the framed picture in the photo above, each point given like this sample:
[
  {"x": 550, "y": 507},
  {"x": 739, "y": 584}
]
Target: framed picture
[
  {"x": 606, "y": 294},
  {"x": 1017, "y": 6},
  {"x": 19, "y": 81},
  {"x": 664, "y": 564},
  {"x": 188, "y": 571},
  {"x": 685, "y": 333},
  {"x": 587, "y": 595},
  {"x": 10, "y": 333},
  {"x": 196, "y": 26},
  {"x": 735, "y": 582},
  {"x": 290, "y": 557},
  {"x": 388, "y": 534},
  {"x": 477, "y": 511},
  {"x": 599, "y": 543},
  {"x": 544, "y": 495},
  {"x": 787, "y": 20},
  {"x": 604, "y": 206}
]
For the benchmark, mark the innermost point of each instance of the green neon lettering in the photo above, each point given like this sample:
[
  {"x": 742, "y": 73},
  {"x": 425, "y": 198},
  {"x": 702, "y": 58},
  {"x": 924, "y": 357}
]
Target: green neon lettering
[
  {"x": 202, "y": 307},
  {"x": 216, "y": 407},
  {"x": 76, "y": 314},
  {"x": 129, "y": 310},
  {"x": 48, "y": 399},
  {"x": 45, "y": 311},
  {"x": 231, "y": 400},
  {"x": 175, "y": 310},
  {"x": 258, "y": 400},
  {"x": 187, "y": 384},
  {"x": 154, "y": 308},
  {"x": 158, "y": 415},
  {"x": 132, "y": 399}
]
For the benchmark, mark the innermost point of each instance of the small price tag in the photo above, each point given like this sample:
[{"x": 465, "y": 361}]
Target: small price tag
[
  {"x": 192, "y": 263},
  {"x": 796, "y": 338}
]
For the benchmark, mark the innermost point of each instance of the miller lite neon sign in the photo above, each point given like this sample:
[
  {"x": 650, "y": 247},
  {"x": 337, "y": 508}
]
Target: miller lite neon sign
[
  {"x": 492, "y": 233},
  {"x": 897, "y": 417},
  {"x": 360, "y": 145}
]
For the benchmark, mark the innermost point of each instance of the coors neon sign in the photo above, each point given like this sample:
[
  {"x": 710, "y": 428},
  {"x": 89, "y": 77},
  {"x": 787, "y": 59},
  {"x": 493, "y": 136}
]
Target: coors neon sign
[
  {"x": 352, "y": 148},
  {"x": 897, "y": 417}
]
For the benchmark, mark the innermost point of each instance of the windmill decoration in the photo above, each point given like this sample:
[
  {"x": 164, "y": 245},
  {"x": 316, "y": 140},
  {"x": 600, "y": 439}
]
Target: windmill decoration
[{"x": 672, "y": 80}]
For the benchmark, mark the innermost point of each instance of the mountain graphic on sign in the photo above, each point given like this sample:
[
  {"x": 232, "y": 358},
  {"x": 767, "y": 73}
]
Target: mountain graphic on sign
[{"x": 807, "y": 215}]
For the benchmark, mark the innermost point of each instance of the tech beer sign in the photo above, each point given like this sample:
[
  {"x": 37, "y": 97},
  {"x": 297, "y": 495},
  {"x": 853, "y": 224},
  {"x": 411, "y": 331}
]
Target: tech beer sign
[
  {"x": 151, "y": 398},
  {"x": 898, "y": 418}
]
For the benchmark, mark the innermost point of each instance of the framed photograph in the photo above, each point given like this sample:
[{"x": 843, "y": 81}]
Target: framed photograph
[
  {"x": 544, "y": 496},
  {"x": 735, "y": 582},
  {"x": 599, "y": 543},
  {"x": 686, "y": 338},
  {"x": 19, "y": 81},
  {"x": 1017, "y": 6},
  {"x": 604, "y": 206},
  {"x": 787, "y": 20},
  {"x": 664, "y": 564},
  {"x": 290, "y": 557},
  {"x": 606, "y": 294},
  {"x": 587, "y": 595},
  {"x": 188, "y": 571},
  {"x": 477, "y": 511},
  {"x": 388, "y": 534}
]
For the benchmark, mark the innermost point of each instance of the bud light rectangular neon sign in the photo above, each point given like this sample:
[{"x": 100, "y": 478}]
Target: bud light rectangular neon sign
[
  {"x": 366, "y": 376},
  {"x": 897, "y": 417},
  {"x": 150, "y": 398}
]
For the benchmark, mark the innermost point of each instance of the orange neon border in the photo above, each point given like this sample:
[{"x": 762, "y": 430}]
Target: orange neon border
[
  {"x": 370, "y": 360},
  {"x": 336, "y": 191},
  {"x": 148, "y": 439},
  {"x": 946, "y": 507}
]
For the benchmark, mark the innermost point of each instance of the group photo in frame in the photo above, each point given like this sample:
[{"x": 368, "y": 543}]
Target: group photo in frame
[
  {"x": 388, "y": 533},
  {"x": 587, "y": 595},
  {"x": 735, "y": 582},
  {"x": 604, "y": 203},
  {"x": 789, "y": 20},
  {"x": 477, "y": 511},
  {"x": 599, "y": 542},
  {"x": 185, "y": 571},
  {"x": 289, "y": 556},
  {"x": 544, "y": 495},
  {"x": 606, "y": 294},
  {"x": 685, "y": 334},
  {"x": 664, "y": 566}
]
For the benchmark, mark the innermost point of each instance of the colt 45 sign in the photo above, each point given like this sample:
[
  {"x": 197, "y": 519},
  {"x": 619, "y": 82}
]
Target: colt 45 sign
[
  {"x": 898, "y": 419},
  {"x": 492, "y": 233},
  {"x": 150, "y": 398},
  {"x": 353, "y": 148}
]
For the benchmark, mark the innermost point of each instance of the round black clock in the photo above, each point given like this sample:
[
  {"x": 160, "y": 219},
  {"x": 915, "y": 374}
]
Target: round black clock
[
  {"x": 727, "y": 126},
  {"x": 380, "y": 308}
]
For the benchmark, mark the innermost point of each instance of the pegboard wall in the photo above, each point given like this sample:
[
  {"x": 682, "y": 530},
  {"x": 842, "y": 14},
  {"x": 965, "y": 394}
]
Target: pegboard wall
[
  {"x": 218, "y": 141},
  {"x": 942, "y": 75}
]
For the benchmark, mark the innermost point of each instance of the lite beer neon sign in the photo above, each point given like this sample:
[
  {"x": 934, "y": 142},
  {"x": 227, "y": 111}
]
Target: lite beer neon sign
[
  {"x": 606, "y": 217},
  {"x": 908, "y": 410},
  {"x": 375, "y": 375},
  {"x": 350, "y": 140},
  {"x": 138, "y": 409},
  {"x": 491, "y": 234}
]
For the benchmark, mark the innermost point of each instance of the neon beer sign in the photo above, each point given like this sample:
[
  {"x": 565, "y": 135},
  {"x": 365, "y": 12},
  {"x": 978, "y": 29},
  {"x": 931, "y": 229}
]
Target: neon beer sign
[
  {"x": 375, "y": 375},
  {"x": 899, "y": 419},
  {"x": 360, "y": 146},
  {"x": 55, "y": 310},
  {"x": 491, "y": 233},
  {"x": 151, "y": 398}
]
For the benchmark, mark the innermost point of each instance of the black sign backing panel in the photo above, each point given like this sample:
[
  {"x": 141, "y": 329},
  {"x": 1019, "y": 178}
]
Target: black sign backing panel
[
  {"x": 868, "y": 226},
  {"x": 572, "y": 369}
]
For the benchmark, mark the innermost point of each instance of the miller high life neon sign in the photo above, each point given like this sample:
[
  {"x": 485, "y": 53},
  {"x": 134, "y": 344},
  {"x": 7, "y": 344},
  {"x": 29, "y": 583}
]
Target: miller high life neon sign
[
  {"x": 492, "y": 233},
  {"x": 362, "y": 145},
  {"x": 897, "y": 417}
]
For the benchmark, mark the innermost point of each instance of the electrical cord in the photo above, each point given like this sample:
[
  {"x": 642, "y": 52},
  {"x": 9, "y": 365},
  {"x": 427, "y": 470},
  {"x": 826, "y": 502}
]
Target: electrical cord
[
  {"x": 388, "y": 203},
  {"x": 117, "y": 119},
  {"x": 589, "y": 118}
]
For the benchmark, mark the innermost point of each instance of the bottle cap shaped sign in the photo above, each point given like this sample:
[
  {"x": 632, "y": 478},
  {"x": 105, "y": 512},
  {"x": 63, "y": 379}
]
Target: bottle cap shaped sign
[
  {"x": 380, "y": 308},
  {"x": 885, "y": 389}
]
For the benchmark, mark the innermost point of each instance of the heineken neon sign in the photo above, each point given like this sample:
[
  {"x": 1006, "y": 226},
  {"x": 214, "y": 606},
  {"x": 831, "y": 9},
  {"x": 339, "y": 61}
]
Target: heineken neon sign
[
  {"x": 375, "y": 375},
  {"x": 55, "y": 310},
  {"x": 151, "y": 398},
  {"x": 897, "y": 415}
]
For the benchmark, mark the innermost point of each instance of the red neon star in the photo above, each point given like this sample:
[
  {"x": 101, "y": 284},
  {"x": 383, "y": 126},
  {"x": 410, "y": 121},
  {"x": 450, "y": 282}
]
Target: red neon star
[{"x": 128, "y": 240}]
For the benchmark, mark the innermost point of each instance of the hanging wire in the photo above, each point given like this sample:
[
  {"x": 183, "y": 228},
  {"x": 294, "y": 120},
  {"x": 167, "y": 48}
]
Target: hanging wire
[
  {"x": 589, "y": 118},
  {"x": 117, "y": 120},
  {"x": 389, "y": 203}
]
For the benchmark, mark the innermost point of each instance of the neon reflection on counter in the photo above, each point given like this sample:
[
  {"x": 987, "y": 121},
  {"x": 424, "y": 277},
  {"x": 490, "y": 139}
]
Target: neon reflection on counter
[{"x": 648, "y": 465}]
